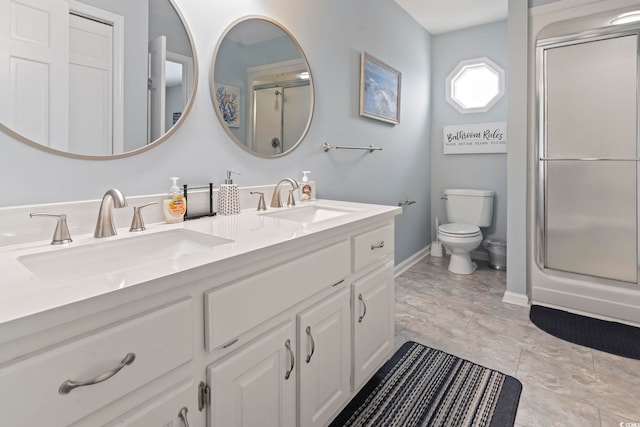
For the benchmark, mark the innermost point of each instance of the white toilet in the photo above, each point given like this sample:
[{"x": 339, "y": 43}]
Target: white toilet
[{"x": 467, "y": 211}]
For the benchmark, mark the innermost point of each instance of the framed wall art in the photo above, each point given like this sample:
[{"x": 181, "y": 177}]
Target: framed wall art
[
  {"x": 228, "y": 98},
  {"x": 380, "y": 87}
]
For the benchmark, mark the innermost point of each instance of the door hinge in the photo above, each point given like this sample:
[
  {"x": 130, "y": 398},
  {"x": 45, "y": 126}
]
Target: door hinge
[
  {"x": 204, "y": 396},
  {"x": 149, "y": 84}
]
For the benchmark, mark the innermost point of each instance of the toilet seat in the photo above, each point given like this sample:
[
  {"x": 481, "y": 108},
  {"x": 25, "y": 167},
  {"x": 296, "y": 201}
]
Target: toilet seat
[{"x": 459, "y": 230}]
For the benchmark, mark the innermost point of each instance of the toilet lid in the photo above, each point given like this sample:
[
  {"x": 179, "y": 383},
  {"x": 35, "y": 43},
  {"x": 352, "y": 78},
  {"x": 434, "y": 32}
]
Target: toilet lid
[{"x": 455, "y": 229}]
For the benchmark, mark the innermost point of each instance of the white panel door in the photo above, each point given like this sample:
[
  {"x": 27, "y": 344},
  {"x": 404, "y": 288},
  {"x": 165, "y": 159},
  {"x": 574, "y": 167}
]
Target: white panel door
[
  {"x": 90, "y": 87},
  {"x": 324, "y": 340},
  {"x": 34, "y": 74},
  {"x": 267, "y": 133},
  {"x": 157, "y": 88},
  {"x": 373, "y": 321},
  {"x": 251, "y": 388}
]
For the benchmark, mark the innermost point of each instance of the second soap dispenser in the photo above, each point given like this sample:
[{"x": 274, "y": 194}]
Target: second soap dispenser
[{"x": 228, "y": 196}]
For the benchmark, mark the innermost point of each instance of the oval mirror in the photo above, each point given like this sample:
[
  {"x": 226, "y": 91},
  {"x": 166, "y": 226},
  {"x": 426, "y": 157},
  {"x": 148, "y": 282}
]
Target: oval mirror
[
  {"x": 95, "y": 79},
  {"x": 261, "y": 87}
]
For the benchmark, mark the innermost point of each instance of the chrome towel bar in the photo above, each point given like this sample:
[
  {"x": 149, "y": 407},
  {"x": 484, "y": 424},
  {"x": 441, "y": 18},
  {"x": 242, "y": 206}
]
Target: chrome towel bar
[
  {"x": 326, "y": 147},
  {"x": 590, "y": 159}
]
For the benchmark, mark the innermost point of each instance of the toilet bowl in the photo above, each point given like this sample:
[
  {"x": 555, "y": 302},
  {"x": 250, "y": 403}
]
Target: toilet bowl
[{"x": 460, "y": 240}]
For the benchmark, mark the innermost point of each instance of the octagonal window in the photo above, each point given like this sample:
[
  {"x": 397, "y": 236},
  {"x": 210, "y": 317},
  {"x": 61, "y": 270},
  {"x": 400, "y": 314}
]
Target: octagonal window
[{"x": 475, "y": 85}]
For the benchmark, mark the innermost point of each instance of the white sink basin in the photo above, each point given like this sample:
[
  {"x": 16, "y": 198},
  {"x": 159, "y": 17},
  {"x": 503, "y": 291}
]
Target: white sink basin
[
  {"x": 103, "y": 258},
  {"x": 310, "y": 214}
]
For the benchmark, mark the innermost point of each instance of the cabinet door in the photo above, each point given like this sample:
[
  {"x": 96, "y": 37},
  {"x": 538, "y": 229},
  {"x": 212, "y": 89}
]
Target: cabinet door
[
  {"x": 256, "y": 385},
  {"x": 324, "y": 342},
  {"x": 373, "y": 321}
]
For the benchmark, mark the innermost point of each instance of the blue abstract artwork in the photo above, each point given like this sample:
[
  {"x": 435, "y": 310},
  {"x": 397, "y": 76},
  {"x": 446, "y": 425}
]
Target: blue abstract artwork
[
  {"x": 228, "y": 98},
  {"x": 379, "y": 90}
]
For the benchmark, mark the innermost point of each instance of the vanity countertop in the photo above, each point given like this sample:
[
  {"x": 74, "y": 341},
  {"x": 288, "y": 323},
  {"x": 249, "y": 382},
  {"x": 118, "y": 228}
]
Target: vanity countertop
[{"x": 23, "y": 293}]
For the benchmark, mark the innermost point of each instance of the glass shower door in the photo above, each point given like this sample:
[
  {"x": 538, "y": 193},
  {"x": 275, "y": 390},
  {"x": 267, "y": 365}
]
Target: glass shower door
[{"x": 589, "y": 157}]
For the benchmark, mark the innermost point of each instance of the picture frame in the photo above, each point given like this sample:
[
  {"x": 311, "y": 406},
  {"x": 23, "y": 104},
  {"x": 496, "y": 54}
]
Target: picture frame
[
  {"x": 228, "y": 99},
  {"x": 380, "y": 90}
]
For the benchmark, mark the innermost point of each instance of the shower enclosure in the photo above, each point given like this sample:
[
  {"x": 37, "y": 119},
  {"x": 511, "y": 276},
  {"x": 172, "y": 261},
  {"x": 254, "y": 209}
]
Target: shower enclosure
[{"x": 585, "y": 227}]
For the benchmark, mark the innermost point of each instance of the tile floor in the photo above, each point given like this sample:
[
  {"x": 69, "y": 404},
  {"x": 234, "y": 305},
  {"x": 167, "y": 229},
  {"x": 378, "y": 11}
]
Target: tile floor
[{"x": 563, "y": 384}]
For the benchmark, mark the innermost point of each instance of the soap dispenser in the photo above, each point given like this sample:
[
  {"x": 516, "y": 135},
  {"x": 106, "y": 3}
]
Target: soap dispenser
[
  {"x": 174, "y": 206},
  {"x": 307, "y": 188},
  {"x": 228, "y": 196}
]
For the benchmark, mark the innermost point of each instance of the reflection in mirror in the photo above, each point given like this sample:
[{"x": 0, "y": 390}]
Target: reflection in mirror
[
  {"x": 94, "y": 78},
  {"x": 262, "y": 88}
]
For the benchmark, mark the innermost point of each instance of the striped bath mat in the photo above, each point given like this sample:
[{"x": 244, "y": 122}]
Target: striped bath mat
[{"x": 420, "y": 386}]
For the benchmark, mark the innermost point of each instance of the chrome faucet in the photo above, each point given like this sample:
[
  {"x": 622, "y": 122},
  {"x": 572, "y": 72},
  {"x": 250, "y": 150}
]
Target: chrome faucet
[
  {"x": 104, "y": 226},
  {"x": 276, "y": 202}
]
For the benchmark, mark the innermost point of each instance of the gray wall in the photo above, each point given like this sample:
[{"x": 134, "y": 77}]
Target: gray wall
[
  {"x": 332, "y": 33},
  {"x": 468, "y": 170}
]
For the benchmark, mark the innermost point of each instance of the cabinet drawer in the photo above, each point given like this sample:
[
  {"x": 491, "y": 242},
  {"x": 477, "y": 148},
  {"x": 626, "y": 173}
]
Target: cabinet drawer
[
  {"x": 30, "y": 389},
  {"x": 371, "y": 246},
  {"x": 243, "y": 305},
  {"x": 164, "y": 409}
]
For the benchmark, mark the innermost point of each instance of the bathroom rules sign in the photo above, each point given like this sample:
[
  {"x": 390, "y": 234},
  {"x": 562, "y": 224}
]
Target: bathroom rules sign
[{"x": 476, "y": 138}]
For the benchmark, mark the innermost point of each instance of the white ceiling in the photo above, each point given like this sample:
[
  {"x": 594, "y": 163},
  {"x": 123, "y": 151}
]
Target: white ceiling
[{"x": 442, "y": 16}]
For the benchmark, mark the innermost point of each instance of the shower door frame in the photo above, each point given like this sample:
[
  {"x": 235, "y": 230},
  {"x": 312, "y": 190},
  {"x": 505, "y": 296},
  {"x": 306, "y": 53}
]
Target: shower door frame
[{"x": 561, "y": 288}]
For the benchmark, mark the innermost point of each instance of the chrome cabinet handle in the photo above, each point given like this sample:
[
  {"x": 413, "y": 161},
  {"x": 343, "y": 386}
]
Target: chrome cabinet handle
[
  {"x": 183, "y": 416},
  {"x": 313, "y": 344},
  {"x": 69, "y": 385},
  {"x": 287, "y": 344},
  {"x": 378, "y": 246},
  {"x": 364, "y": 306}
]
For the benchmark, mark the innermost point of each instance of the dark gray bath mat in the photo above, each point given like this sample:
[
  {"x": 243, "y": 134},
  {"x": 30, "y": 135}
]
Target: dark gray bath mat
[
  {"x": 611, "y": 337},
  {"x": 420, "y": 386}
]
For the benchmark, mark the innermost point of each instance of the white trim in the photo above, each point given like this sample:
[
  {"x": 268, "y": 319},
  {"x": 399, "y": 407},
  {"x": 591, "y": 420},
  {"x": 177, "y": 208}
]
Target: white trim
[
  {"x": 516, "y": 299},
  {"x": 187, "y": 73},
  {"x": 462, "y": 65},
  {"x": 412, "y": 260},
  {"x": 117, "y": 23}
]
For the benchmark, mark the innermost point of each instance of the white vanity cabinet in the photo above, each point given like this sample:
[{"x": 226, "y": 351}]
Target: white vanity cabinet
[{"x": 281, "y": 327}]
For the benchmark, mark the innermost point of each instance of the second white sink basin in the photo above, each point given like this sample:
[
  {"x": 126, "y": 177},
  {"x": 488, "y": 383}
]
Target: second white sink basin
[
  {"x": 102, "y": 258},
  {"x": 310, "y": 214}
]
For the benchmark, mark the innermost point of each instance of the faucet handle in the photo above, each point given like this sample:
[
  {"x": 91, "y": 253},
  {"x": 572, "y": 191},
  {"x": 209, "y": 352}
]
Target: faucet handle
[
  {"x": 137, "y": 224},
  {"x": 61, "y": 234},
  {"x": 291, "y": 201},
  {"x": 262, "y": 206}
]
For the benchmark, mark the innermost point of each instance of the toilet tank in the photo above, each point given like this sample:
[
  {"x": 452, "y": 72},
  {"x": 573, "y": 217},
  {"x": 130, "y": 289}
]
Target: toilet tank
[{"x": 473, "y": 207}]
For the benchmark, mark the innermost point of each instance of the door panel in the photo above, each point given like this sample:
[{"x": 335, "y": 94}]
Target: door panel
[
  {"x": 90, "y": 87},
  {"x": 34, "y": 69},
  {"x": 591, "y": 111},
  {"x": 591, "y": 219}
]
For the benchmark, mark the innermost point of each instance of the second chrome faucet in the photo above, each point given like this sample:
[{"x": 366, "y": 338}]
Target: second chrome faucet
[
  {"x": 113, "y": 198},
  {"x": 276, "y": 202}
]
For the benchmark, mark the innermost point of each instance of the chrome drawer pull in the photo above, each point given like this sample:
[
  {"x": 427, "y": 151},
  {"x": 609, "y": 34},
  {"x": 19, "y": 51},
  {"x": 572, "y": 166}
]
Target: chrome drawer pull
[
  {"x": 364, "y": 306},
  {"x": 69, "y": 385},
  {"x": 287, "y": 344},
  {"x": 313, "y": 344},
  {"x": 183, "y": 416},
  {"x": 378, "y": 246}
]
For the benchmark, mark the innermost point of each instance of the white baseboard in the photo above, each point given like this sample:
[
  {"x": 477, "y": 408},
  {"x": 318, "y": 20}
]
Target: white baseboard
[
  {"x": 516, "y": 299},
  {"x": 412, "y": 260}
]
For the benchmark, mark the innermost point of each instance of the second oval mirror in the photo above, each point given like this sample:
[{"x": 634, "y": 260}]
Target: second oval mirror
[{"x": 261, "y": 87}]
